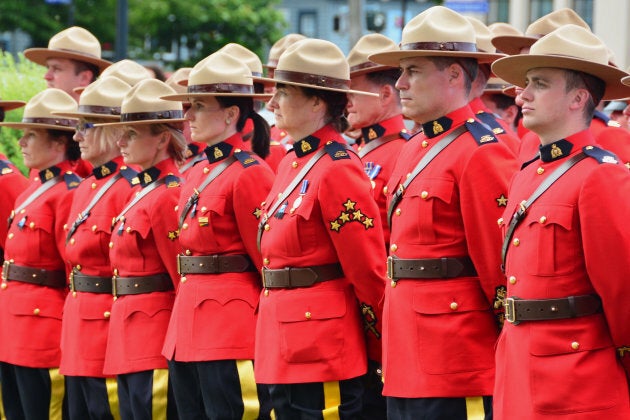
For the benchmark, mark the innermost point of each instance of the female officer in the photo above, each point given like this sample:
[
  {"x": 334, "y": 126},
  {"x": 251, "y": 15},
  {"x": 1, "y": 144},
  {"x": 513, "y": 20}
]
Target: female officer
[
  {"x": 142, "y": 251},
  {"x": 322, "y": 247},
  {"x": 210, "y": 340},
  {"x": 98, "y": 199},
  {"x": 34, "y": 274}
]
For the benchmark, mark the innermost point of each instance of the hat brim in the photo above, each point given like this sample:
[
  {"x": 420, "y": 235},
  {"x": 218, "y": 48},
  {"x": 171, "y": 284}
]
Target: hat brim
[
  {"x": 86, "y": 115},
  {"x": 512, "y": 44},
  {"x": 306, "y": 85},
  {"x": 372, "y": 69},
  {"x": 22, "y": 126},
  {"x": 392, "y": 58},
  {"x": 9, "y": 105},
  {"x": 185, "y": 97},
  {"x": 140, "y": 122},
  {"x": 40, "y": 55},
  {"x": 513, "y": 69}
]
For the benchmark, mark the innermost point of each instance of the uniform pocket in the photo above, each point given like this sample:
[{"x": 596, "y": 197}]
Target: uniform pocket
[
  {"x": 311, "y": 326},
  {"x": 92, "y": 314},
  {"x": 40, "y": 316},
  {"x": 455, "y": 327},
  {"x": 427, "y": 199},
  {"x": 145, "y": 323},
  {"x": 300, "y": 236},
  {"x": 574, "y": 368}
]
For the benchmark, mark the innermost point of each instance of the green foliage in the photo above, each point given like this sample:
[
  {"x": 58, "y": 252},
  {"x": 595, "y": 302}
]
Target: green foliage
[{"x": 19, "y": 81}]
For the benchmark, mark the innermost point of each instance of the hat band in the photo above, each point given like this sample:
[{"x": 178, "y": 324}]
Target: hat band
[
  {"x": 310, "y": 79},
  {"x": 365, "y": 65},
  {"x": 440, "y": 46},
  {"x": 95, "y": 109},
  {"x": 142, "y": 116},
  {"x": 495, "y": 86},
  {"x": 50, "y": 121},
  {"x": 221, "y": 88},
  {"x": 76, "y": 52},
  {"x": 272, "y": 63}
]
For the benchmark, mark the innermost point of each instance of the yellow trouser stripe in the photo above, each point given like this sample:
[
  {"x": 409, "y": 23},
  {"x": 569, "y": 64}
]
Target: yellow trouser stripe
[
  {"x": 332, "y": 400},
  {"x": 112, "y": 396},
  {"x": 160, "y": 393},
  {"x": 249, "y": 393},
  {"x": 57, "y": 389},
  {"x": 2, "y": 416},
  {"x": 474, "y": 408}
]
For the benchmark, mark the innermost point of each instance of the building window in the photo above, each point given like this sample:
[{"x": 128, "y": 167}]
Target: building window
[
  {"x": 307, "y": 23},
  {"x": 539, "y": 8},
  {"x": 584, "y": 8}
]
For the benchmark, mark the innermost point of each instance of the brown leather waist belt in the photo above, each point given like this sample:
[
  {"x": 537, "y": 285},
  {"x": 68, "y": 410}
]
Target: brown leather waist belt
[
  {"x": 141, "y": 284},
  {"x": 430, "y": 268},
  {"x": 517, "y": 310},
  {"x": 291, "y": 277},
  {"x": 92, "y": 284},
  {"x": 38, "y": 276},
  {"x": 214, "y": 264}
]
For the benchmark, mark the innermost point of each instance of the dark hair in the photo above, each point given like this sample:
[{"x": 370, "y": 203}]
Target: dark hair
[
  {"x": 80, "y": 66},
  {"x": 157, "y": 70},
  {"x": 595, "y": 86},
  {"x": 260, "y": 138},
  {"x": 469, "y": 65},
  {"x": 62, "y": 136},
  {"x": 384, "y": 77},
  {"x": 504, "y": 102},
  {"x": 336, "y": 104}
]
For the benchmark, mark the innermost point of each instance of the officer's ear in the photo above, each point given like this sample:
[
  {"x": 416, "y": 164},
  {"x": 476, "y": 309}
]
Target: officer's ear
[{"x": 579, "y": 99}]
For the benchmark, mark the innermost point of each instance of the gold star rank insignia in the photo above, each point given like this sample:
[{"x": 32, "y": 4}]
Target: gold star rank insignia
[
  {"x": 172, "y": 235},
  {"x": 349, "y": 205},
  {"x": 357, "y": 215},
  {"x": 502, "y": 201},
  {"x": 257, "y": 213},
  {"x": 334, "y": 225},
  {"x": 345, "y": 217},
  {"x": 368, "y": 223}
]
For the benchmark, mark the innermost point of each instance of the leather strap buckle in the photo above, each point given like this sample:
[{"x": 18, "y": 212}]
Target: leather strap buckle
[{"x": 510, "y": 310}]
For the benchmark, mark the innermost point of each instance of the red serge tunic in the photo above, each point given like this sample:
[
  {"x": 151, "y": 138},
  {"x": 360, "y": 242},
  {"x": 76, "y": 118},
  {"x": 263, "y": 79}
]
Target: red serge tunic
[
  {"x": 12, "y": 184},
  {"x": 574, "y": 240},
  {"x": 379, "y": 162},
  {"x": 145, "y": 244},
  {"x": 30, "y": 315},
  {"x": 439, "y": 335},
  {"x": 86, "y": 315},
  {"x": 214, "y": 316},
  {"x": 316, "y": 334}
]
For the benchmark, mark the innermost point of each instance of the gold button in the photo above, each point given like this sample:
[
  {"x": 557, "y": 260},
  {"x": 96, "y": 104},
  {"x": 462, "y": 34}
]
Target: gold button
[
  {"x": 94, "y": 227},
  {"x": 393, "y": 283},
  {"x": 397, "y": 212},
  {"x": 187, "y": 252},
  {"x": 265, "y": 261},
  {"x": 31, "y": 225},
  {"x": 470, "y": 120},
  {"x": 206, "y": 170},
  {"x": 36, "y": 311},
  {"x": 454, "y": 306},
  {"x": 115, "y": 271},
  {"x": 204, "y": 209},
  {"x": 106, "y": 314},
  {"x": 424, "y": 194},
  {"x": 185, "y": 226},
  {"x": 512, "y": 280},
  {"x": 267, "y": 227},
  {"x": 425, "y": 143},
  {"x": 65, "y": 227},
  {"x": 516, "y": 242},
  {"x": 385, "y": 190},
  {"x": 575, "y": 345},
  {"x": 393, "y": 247},
  {"x": 540, "y": 171},
  {"x": 294, "y": 164},
  {"x": 307, "y": 315},
  {"x": 266, "y": 293},
  {"x": 183, "y": 279},
  {"x": 11, "y": 235},
  {"x": 542, "y": 219},
  {"x": 176, "y": 208},
  {"x": 500, "y": 221},
  {"x": 72, "y": 241},
  {"x": 111, "y": 244},
  {"x": 4, "y": 286},
  {"x": 78, "y": 267},
  {"x": 93, "y": 185},
  {"x": 128, "y": 230},
  {"x": 74, "y": 294},
  {"x": 22, "y": 211}
]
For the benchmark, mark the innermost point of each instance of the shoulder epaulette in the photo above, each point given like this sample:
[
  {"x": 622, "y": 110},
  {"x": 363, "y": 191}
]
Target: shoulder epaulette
[
  {"x": 336, "y": 150},
  {"x": 5, "y": 167},
  {"x": 129, "y": 174},
  {"x": 245, "y": 158},
  {"x": 600, "y": 155},
  {"x": 171, "y": 181},
  {"x": 491, "y": 121},
  {"x": 72, "y": 180},
  {"x": 404, "y": 134},
  {"x": 480, "y": 132}
]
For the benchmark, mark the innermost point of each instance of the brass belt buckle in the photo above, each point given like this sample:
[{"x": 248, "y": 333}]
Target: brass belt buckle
[
  {"x": 390, "y": 268},
  {"x": 179, "y": 265},
  {"x": 510, "y": 310},
  {"x": 71, "y": 278},
  {"x": 264, "y": 269},
  {"x": 114, "y": 289},
  {"x": 5, "y": 270}
]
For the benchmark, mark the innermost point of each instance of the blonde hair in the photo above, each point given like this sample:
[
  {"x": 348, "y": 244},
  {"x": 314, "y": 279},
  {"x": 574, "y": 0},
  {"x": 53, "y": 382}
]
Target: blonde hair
[{"x": 177, "y": 145}]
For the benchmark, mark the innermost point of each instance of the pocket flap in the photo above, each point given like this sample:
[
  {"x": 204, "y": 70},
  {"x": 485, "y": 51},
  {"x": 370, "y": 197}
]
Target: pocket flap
[
  {"x": 36, "y": 306},
  {"x": 316, "y": 305},
  {"x": 549, "y": 214},
  {"x": 449, "y": 296},
  {"x": 151, "y": 304},
  {"x": 440, "y": 188},
  {"x": 93, "y": 309},
  {"x": 305, "y": 207},
  {"x": 214, "y": 203},
  {"x": 569, "y": 336}
]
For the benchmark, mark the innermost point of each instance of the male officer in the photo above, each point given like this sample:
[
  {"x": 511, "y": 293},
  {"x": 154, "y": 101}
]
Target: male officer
[
  {"x": 440, "y": 315},
  {"x": 564, "y": 352}
]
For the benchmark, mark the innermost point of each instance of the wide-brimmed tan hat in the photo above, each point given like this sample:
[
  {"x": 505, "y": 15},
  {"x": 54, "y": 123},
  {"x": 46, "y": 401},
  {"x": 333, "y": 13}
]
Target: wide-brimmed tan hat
[
  {"x": 179, "y": 79},
  {"x": 101, "y": 99},
  {"x": 366, "y": 45},
  {"x": 143, "y": 105},
  {"x": 126, "y": 70},
  {"x": 250, "y": 59},
  {"x": 279, "y": 47},
  {"x": 38, "y": 112},
  {"x": 436, "y": 32},
  {"x": 483, "y": 35},
  {"x": 74, "y": 43},
  {"x": 513, "y": 44},
  {"x": 9, "y": 105},
  {"x": 219, "y": 74},
  {"x": 497, "y": 85},
  {"x": 569, "y": 47},
  {"x": 316, "y": 64}
]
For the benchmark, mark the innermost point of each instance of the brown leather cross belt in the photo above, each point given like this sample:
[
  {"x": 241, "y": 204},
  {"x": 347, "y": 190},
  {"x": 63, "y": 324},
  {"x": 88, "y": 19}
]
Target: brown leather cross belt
[
  {"x": 430, "y": 268},
  {"x": 38, "y": 276},
  {"x": 141, "y": 284},
  {"x": 291, "y": 277},
  {"x": 214, "y": 264},
  {"x": 92, "y": 284},
  {"x": 517, "y": 310}
]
